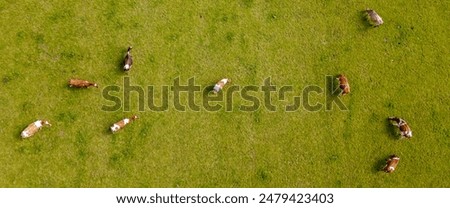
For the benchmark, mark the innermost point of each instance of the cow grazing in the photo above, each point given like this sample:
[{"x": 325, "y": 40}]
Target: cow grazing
[
  {"x": 128, "y": 61},
  {"x": 373, "y": 18},
  {"x": 343, "y": 84},
  {"x": 405, "y": 130},
  {"x": 122, "y": 123},
  {"x": 219, "y": 85},
  {"x": 33, "y": 128},
  {"x": 391, "y": 164},
  {"x": 78, "y": 83}
]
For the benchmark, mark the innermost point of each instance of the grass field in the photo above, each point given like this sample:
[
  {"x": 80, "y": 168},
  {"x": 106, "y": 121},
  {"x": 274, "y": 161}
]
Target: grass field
[{"x": 398, "y": 69}]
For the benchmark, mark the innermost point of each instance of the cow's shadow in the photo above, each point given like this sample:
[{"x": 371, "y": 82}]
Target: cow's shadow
[
  {"x": 332, "y": 86},
  {"x": 333, "y": 90},
  {"x": 107, "y": 130},
  {"x": 364, "y": 21},
  {"x": 208, "y": 90},
  {"x": 18, "y": 130},
  {"x": 379, "y": 164},
  {"x": 120, "y": 61},
  {"x": 391, "y": 130}
]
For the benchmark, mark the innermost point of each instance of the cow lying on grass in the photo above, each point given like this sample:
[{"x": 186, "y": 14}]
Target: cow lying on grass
[
  {"x": 373, "y": 18},
  {"x": 405, "y": 130},
  {"x": 391, "y": 164},
  {"x": 122, "y": 123},
  {"x": 128, "y": 61},
  {"x": 78, "y": 83},
  {"x": 219, "y": 85},
  {"x": 343, "y": 84},
  {"x": 33, "y": 128}
]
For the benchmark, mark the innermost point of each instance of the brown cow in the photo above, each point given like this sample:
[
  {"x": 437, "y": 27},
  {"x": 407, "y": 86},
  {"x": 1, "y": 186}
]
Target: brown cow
[
  {"x": 391, "y": 163},
  {"x": 373, "y": 18},
  {"x": 219, "y": 85},
  {"x": 128, "y": 61},
  {"x": 343, "y": 84},
  {"x": 405, "y": 130},
  {"x": 122, "y": 123},
  {"x": 33, "y": 128},
  {"x": 79, "y": 83}
]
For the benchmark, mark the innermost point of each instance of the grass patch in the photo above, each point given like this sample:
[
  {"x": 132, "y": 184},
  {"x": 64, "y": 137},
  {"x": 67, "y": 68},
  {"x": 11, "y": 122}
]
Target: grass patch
[{"x": 397, "y": 69}]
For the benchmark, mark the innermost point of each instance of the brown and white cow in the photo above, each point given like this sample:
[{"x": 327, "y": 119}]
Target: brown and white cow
[
  {"x": 405, "y": 130},
  {"x": 33, "y": 128},
  {"x": 122, "y": 123},
  {"x": 374, "y": 18},
  {"x": 79, "y": 83},
  {"x": 219, "y": 85},
  {"x": 391, "y": 164},
  {"x": 343, "y": 84},
  {"x": 128, "y": 61}
]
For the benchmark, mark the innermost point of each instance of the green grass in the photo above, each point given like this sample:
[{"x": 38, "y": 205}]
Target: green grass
[{"x": 399, "y": 69}]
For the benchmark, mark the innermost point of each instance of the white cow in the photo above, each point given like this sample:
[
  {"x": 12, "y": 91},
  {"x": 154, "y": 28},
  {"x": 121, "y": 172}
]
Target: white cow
[
  {"x": 33, "y": 128},
  {"x": 219, "y": 85},
  {"x": 122, "y": 123}
]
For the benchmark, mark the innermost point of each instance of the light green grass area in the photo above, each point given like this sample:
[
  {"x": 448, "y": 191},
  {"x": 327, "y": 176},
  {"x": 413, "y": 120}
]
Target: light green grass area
[{"x": 398, "y": 69}]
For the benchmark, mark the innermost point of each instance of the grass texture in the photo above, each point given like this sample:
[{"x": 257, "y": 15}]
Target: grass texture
[{"x": 398, "y": 69}]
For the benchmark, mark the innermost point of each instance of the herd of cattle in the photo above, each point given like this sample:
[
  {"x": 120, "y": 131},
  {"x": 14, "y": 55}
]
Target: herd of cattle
[{"x": 373, "y": 18}]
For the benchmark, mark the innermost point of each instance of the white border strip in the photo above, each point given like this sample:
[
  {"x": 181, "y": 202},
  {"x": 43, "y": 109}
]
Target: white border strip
[{"x": 342, "y": 197}]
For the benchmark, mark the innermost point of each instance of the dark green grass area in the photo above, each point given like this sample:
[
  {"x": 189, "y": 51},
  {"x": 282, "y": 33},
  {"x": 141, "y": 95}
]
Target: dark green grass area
[{"x": 398, "y": 69}]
